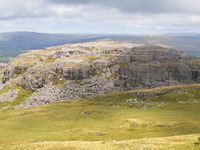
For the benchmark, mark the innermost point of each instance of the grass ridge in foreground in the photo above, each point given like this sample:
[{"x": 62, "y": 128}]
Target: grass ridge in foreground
[{"x": 122, "y": 120}]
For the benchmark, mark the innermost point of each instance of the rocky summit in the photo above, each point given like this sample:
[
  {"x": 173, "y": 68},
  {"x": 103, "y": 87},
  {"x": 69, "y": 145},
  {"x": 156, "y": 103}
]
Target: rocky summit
[{"x": 83, "y": 70}]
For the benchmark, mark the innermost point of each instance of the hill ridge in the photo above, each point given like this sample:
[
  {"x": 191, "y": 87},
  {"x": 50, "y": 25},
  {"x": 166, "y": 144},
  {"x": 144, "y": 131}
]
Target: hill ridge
[{"x": 83, "y": 70}]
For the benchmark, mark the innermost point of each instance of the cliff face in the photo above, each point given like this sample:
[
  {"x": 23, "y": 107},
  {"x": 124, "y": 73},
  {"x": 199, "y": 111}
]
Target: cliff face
[{"x": 83, "y": 70}]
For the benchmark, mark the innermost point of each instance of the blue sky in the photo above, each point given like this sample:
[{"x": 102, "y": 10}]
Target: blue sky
[{"x": 100, "y": 16}]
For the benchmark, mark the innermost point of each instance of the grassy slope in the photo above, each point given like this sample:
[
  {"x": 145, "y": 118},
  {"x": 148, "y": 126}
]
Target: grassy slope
[
  {"x": 107, "y": 122},
  {"x": 21, "y": 95}
]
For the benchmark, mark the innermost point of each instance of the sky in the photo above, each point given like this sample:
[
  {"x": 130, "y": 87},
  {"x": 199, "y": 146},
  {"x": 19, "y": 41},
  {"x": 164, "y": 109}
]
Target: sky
[{"x": 100, "y": 16}]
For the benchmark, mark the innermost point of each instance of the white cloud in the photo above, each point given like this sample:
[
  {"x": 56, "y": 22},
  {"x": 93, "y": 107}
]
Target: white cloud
[
  {"x": 11, "y": 9},
  {"x": 127, "y": 16}
]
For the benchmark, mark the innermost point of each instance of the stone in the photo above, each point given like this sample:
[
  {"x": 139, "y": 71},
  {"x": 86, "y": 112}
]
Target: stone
[
  {"x": 83, "y": 70},
  {"x": 9, "y": 96}
]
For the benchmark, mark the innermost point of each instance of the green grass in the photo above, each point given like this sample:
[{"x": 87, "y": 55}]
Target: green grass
[
  {"x": 49, "y": 59},
  {"x": 21, "y": 95},
  {"x": 106, "y": 118},
  {"x": 57, "y": 81},
  {"x": 2, "y": 68}
]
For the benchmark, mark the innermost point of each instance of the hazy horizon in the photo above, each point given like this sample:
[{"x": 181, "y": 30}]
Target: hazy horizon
[{"x": 107, "y": 34}]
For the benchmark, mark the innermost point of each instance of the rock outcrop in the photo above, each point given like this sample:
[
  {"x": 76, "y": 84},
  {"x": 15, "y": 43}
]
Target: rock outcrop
[{"x": 75, "y": 71}]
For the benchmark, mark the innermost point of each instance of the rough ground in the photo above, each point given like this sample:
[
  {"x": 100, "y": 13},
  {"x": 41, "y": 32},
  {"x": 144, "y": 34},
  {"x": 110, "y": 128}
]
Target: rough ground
[
  {"x": 164, "y": 118},
  {"x": 184, "y": 142},
  {"x": 75, "y": 71}
]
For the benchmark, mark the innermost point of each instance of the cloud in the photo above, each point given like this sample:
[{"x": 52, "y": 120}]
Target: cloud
[
  {"x": 70, "y": 1},
  {"x": 139, "y": 6},
  {"x": 49, "y": 8},
  {"x": 11, "y": 9},
  {"x": 100, "y": 16}
]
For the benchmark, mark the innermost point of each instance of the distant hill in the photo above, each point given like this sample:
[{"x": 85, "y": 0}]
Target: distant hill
[
  {"x": 189, "y": 43},
  {"x": 14, "y": 43}
]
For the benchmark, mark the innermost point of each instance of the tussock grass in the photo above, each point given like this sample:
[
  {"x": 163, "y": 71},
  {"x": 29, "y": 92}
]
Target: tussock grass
[
  {"x": 2, "y": 68},
  {"x": 107, "y": 122},
  {"x": 49, "y": 59}
]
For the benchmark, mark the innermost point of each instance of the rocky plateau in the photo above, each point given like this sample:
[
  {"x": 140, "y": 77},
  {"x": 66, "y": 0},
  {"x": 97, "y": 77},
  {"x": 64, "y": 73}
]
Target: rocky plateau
[{"x": 83, "y": 70}]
